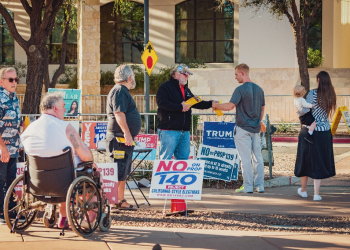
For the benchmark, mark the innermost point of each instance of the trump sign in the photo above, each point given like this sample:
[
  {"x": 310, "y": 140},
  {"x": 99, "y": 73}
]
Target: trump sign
[{"x": 180, "y": 179}]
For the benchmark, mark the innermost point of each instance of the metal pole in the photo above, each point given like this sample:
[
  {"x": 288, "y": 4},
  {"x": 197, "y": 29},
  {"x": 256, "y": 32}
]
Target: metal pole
[
  {"x": 146, "y": 85},
  {"x": 269, "y": 144}
]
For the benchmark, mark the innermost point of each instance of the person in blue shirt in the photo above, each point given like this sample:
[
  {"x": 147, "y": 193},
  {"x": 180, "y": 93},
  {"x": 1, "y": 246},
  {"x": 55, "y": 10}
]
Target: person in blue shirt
[{"x": 10, "y": 119}]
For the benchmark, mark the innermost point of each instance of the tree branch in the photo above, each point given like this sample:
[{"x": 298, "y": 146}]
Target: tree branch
[
  {"x": 286, "y": 12},
  {"x": 295, "y": 12},
  {"x": 27, "y": 7},
  {"x": 314, "y": 10},
  {"x": 12, "y": 28}
]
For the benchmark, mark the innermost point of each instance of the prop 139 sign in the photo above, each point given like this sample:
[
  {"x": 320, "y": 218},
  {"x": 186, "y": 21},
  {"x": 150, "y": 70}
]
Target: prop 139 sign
[{"x": 177, "y": 179}]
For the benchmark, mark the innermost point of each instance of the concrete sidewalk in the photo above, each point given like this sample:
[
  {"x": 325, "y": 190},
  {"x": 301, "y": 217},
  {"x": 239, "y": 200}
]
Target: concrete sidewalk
[{"x": 279, "y": 200}]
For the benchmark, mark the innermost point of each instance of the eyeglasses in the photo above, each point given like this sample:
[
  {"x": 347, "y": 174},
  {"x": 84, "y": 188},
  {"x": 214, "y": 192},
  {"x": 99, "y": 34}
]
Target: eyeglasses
[{"x": 12, "y": 79}]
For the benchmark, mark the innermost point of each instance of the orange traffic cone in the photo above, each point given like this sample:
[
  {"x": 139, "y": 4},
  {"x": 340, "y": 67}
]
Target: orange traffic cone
[{"x": 179, "y": 207}]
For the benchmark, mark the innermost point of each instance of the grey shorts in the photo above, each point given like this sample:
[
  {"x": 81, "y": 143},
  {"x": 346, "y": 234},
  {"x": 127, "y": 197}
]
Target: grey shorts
[{"x": 124, "y": 164}]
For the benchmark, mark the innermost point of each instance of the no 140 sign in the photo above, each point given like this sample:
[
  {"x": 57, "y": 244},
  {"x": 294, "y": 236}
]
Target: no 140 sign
[{"x": 177, "y": 179}]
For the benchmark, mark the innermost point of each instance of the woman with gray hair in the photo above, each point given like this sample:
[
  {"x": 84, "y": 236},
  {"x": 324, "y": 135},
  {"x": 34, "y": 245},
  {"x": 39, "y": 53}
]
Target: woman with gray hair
[{"x": 124, "y": 120}]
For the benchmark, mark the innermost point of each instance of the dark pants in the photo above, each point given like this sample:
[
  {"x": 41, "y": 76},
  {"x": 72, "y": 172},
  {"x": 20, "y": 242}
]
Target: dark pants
[{"x": 7, "y": 176}]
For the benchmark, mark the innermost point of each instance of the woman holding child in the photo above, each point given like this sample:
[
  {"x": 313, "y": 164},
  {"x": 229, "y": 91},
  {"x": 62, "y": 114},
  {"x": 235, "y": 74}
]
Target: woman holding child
[{"x": 315, "y": 158}]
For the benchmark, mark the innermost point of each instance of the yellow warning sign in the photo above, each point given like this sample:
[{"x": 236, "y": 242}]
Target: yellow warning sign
[
  {"x": 341, "y": 112},
  {"x": 149, "y": 57}
]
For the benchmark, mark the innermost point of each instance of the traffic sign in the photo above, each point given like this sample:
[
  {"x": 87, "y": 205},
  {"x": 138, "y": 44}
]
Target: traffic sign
[{"x": 149, "y": 58}]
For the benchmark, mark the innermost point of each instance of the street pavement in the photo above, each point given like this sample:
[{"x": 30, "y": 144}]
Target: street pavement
[{"x": 277, "y": 200}]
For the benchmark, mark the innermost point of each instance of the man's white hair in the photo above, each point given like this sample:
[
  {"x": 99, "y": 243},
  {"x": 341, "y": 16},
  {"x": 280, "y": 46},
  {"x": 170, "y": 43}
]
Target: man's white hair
[
  {"x": 50, "y": 100},
  {"x": 122, "y": 73},
  {"x": 5, "y": 70}
]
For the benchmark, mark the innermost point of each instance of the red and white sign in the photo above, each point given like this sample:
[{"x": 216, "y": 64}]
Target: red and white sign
[
  {"x": 20, "y": 171},
  {"x": 109, "y": 172},
  {"x": 147, "y": 141},
  {"x": 177, "y": 179}
]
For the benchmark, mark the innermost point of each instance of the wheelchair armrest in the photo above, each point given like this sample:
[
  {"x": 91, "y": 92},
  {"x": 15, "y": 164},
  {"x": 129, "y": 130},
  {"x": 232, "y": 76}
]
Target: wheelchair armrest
[{"x": 85, "y": 163}]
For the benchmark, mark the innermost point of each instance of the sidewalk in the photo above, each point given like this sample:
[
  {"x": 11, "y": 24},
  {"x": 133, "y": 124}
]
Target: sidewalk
[{"x": 283, "y": 200}]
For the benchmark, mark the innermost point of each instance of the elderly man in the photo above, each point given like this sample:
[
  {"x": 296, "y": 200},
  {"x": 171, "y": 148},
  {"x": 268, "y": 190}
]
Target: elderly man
[
  {"x": 50, "y": 134},
  {"x": 174, "y": 116},
  {"x": 9, "y": 129},
  {"x": 249, "y": 101},
  {"x": 124, "y": 120}
]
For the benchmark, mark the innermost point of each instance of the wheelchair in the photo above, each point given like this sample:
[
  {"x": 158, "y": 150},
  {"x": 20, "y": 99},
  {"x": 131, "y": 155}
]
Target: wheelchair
[{"x": 49, "y": 181}]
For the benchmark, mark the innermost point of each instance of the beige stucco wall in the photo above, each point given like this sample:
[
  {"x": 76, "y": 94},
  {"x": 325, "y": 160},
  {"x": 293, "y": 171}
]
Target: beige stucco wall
[{"x": 336, "y": 34}]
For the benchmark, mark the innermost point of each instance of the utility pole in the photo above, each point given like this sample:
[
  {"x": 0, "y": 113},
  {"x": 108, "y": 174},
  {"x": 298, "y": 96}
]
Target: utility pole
[{"x": 146, "y": 85}]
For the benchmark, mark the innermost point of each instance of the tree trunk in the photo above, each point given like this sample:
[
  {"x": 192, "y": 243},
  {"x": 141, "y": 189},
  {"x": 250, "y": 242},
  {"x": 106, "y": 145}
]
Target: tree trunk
[
  {"x": 34, "y": 81},
  {"x": 301, "y": 49}
]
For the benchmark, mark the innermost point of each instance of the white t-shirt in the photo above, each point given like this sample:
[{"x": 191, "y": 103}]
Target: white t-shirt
[
  {"x": 301, "y": 103},
  {"x": 46, "y": 137}
]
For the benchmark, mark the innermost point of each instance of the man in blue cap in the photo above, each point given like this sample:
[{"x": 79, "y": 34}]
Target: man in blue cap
[{"x": 174, "y": 116}]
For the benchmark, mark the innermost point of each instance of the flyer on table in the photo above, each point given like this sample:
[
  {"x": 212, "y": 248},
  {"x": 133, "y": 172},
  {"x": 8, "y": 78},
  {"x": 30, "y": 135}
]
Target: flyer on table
[
  {"x": 220, "y": 163},
  {"x": 71, "y": 100},
  {"x": 179, "y": 179}
]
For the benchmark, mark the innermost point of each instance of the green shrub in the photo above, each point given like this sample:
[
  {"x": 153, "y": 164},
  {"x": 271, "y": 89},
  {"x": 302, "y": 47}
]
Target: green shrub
[
  {"x": 73, "y": 83},
  {"x": 314, "y": 58},
  {"x": 285, "y": 128},
  {"x": 107, "y": 78},
  {"x": 69, "y": 73},
  {"x": 194, "y": 63}
]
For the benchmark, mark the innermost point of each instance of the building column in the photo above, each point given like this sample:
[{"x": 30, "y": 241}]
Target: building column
[{"x": 88, "y": 66}]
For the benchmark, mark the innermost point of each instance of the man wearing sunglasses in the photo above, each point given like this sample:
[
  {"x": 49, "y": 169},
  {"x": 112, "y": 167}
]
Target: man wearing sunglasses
[
  {"x": 10, "y": 118},
  {"x": 174, "y": 116}
]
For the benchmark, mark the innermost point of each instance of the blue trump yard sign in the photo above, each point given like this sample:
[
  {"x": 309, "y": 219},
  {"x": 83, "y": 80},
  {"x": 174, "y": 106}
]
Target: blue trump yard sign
[{"x": 219, "y": 134}]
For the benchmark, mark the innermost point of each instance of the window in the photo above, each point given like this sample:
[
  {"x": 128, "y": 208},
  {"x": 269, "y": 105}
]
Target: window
[
  {"x": 7, "y": 54},
  {"x": 314, "y": 30},
  {"x": 55, "y": 42},
  {"x": 122, "y": 35},
  {"x": 202, "y": 33}
]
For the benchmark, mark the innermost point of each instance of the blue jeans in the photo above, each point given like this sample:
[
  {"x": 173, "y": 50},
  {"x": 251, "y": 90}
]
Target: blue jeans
[
  {"x": 7, "y": 176},
  {"x": 175, "y": 143}
]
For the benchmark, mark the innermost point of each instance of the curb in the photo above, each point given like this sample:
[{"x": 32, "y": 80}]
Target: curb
[
  {"x": 281, "y": 181},
  {"x": 295, "y": 139}
]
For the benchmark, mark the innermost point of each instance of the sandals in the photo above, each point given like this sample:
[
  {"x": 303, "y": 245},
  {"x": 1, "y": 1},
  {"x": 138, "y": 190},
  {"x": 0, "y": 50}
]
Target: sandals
[{"x": 119, "y": 206}]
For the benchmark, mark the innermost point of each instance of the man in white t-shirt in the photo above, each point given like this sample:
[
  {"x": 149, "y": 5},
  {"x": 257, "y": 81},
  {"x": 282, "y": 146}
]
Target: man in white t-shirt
[{"x": 50, "y": 134}]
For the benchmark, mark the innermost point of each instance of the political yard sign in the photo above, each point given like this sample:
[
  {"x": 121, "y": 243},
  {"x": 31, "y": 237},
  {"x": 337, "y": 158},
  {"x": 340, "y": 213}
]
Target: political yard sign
[
  {"x": 219, "y": 134},
  {"x": 220, "y": 163},
  {"x": 93, "y": 132},
  {"x": 71, "y": 100},
  {"x": 146, "y": 141},
  {"x": 179, "y": 179},
  {"x": 109, "y": 172}
]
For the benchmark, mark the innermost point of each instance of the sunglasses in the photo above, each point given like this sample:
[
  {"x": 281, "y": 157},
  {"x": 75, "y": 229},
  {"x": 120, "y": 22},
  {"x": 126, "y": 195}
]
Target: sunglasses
[{"x": 12, "y": 79}]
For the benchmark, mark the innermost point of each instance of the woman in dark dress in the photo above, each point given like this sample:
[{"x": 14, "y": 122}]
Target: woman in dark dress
[{"x": 315, "y": 158}]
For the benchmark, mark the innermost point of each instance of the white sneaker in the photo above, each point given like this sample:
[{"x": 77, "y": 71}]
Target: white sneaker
[
  {"x": 317, "y": 197},
  {"x": 302, "y": 194}
]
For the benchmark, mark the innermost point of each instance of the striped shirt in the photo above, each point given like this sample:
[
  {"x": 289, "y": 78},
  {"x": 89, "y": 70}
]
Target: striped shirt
[{"x": 320, "y": 115}]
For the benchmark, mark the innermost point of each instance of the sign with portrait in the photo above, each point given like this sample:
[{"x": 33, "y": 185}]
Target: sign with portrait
[
  {"x": 71, "y": 100},
  {"x": 220, "y": 163},
  {"x": 180, "y": 179},
  {"x": 219, "y": 134}
]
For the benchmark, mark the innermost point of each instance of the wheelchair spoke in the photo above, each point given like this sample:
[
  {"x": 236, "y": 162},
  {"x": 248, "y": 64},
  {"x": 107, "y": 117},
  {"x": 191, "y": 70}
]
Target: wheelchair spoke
[
  {"x": 88, "y": 201},
  {"x": 84, "y": 192},
  {"x": 87, "y": 219},
  {"x": 78, "y": 199},
  {"x": 14, "y": 208}
]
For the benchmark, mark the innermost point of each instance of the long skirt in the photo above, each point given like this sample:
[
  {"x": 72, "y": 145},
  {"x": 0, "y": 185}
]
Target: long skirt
[{"x": 315, "y": 160}]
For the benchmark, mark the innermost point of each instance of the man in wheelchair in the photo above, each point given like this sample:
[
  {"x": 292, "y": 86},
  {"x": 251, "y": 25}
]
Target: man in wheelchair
[{"x": 47, "y": 137}]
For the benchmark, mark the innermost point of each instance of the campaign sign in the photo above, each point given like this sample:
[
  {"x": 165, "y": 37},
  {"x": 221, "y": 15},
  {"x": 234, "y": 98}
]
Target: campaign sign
[
  {"x": 93, "y": 132},
  {"x": 219, "y": 134},
  {"x": 146, "y": 141},
  {"x": 71, "y": 100},
  {"x": 220, "y": 163},
  {"x": 20, "y": 171},
  {"x": 173, "y": 179},
  {"x": 109, "y": 172}
]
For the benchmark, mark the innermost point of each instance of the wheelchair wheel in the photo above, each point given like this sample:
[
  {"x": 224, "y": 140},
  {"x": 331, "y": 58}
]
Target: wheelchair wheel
[
  {"x": 50, "y": 222},
  {"x": 83, "y": 202},
  {"x": 20, "y": 198},
  {"x": 105, "y": 224}
]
